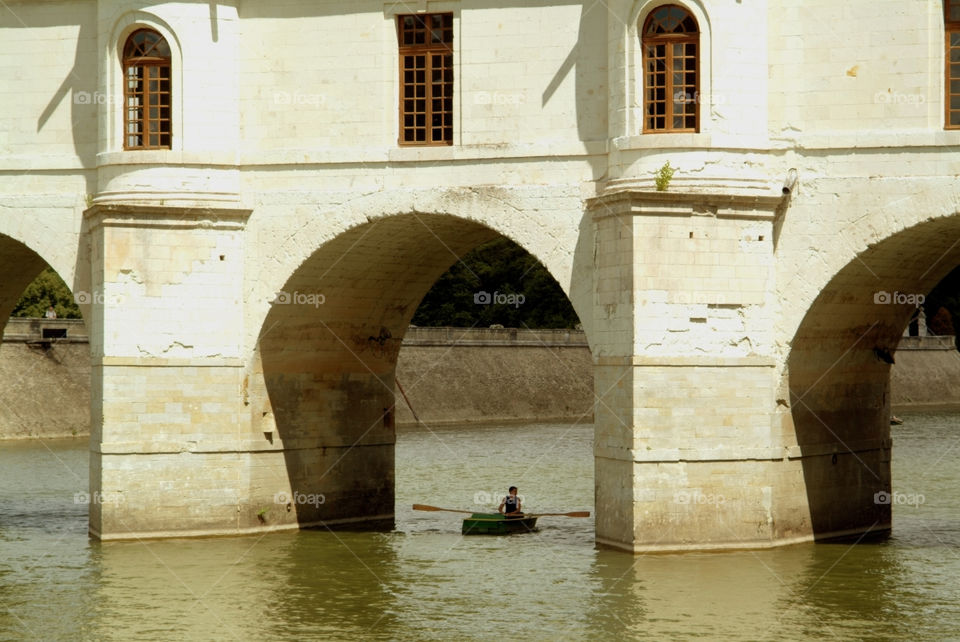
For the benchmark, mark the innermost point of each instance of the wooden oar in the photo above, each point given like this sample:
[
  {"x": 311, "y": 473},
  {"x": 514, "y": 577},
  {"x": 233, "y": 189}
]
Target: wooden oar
[
  {"x": 449, "y": 510},
  {"x": 582, "y": 513},
  {"x": 576, "y": 513}
]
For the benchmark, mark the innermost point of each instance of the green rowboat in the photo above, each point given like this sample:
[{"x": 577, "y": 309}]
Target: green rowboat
[{"x": 497, "y": 524}]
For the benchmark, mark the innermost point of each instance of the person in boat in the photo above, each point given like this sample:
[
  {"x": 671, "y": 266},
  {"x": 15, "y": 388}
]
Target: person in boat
[{"x": 510, "y": 506}]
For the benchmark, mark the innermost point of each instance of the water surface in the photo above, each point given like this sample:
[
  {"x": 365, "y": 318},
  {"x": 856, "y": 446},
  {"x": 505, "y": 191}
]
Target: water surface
[{"x": 426, "y": 581}]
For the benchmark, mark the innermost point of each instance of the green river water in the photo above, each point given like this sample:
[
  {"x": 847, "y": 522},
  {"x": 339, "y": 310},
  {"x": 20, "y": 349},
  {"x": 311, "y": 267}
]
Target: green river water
[{"x": 426, "y": 581}]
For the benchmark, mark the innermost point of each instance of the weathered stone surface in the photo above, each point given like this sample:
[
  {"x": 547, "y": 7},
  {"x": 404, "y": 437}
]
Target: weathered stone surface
[{"x": 728, "y": 323}]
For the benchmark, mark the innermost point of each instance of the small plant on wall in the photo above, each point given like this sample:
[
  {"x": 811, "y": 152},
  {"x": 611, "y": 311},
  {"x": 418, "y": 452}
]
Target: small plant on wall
[{"x": 663, "y": 177}]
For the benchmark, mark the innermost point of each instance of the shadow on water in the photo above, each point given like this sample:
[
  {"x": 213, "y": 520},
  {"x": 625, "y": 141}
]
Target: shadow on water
[{"x": 426, "y": 581}]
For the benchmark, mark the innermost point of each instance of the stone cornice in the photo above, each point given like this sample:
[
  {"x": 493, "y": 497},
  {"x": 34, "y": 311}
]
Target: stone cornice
[
  {"x": 165, "y": 216},
  {"x": 743, "y": 203}
]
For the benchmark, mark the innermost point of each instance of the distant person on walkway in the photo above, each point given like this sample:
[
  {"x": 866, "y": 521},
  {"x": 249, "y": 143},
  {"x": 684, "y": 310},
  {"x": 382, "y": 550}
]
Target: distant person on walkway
[
  {"x": 510, "y": 506},
  {"x": 50, "y": 313}
]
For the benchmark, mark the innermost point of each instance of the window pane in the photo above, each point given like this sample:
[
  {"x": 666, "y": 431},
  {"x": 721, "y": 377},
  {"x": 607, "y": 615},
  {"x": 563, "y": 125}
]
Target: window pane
[{"x": 426, "y": 91}]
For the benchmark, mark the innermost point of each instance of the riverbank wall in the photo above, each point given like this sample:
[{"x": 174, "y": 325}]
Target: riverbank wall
[
  {"x": 44, "y": 379},
  {"x": 448, "y": 375},
  {"x": 458, "y": 375}
]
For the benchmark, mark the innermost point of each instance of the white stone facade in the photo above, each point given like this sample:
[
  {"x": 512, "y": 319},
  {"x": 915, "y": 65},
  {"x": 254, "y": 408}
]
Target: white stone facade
[{"x": 734, "y": 328}]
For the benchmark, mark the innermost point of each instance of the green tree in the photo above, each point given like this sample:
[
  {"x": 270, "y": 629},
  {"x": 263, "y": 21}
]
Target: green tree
[
  {"x": 497, "y": 283},
  {"x": 46, "y": 290},
  {"x": 946, "y": 294}
]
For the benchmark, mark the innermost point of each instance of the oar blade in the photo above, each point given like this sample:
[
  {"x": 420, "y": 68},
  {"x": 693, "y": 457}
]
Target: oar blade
[
  {"x": 425, "y": 507},
  {"x": 446, "y": 510}
]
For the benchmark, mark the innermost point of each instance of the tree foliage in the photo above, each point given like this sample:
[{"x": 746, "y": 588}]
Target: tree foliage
[
  {"x": 46, "y": 290},
  {"x": 497, "y": 283},
  {"x": 945, "y": 297}
]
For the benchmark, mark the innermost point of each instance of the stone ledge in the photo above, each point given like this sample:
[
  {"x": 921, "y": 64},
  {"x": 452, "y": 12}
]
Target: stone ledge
[
  {"x": 243, "y": 446},
  {"x": 688, "y": 361},
  {"x": 739, "y": 544},
  {"x": 450, "y": 336},
  {"x": 168, "y": 362},
  {"x": 837, "y": 448},
  {"x": 745, "y": 454},
  {"x": 682, "y": 455},
  {"x": 238, "y": 531},
  {"x": 711, "y": 198},
  {"x": 170, "y": 215}
]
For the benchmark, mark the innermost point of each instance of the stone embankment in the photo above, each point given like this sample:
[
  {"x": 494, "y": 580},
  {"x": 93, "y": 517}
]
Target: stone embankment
[{"x": 449, "y": 375}]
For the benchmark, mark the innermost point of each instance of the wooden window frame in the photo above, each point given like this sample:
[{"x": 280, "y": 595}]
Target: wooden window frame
[
  {"x": 434, "y": 90},
  {"x": 145, "y": 70},
  {"x": 951, "y": 29},
  {"x": 668, "y": 40}
]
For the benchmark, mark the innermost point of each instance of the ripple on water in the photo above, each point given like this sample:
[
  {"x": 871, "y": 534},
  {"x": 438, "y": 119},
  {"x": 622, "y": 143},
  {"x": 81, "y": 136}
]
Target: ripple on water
[{"x": 426, "y": 581}]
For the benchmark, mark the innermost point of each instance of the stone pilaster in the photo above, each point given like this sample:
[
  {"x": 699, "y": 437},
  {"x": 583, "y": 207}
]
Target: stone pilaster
[
  {"x": 169, "y": 451},
  {"x": 686, "y": 451}
]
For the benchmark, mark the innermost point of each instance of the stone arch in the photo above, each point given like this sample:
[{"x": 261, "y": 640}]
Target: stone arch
[
  {"x": 561, "y": 242},
  {"x": 27, "y": 248},
  {"x": 834, "y": 399},
  {"x": 323, "y": 372}
]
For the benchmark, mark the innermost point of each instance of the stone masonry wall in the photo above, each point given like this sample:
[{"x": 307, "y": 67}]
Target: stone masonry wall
[{"x": 450, "y": 375}]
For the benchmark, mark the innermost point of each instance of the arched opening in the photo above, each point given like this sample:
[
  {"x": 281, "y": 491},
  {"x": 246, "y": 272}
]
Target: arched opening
[
  {"x": 44, "y": 362},
  {"x": 671, "y": 71},
  {"x": 838, "y": 375},
  {"x": 323, "y": 383},
  {"x": 44, "y": 445},
  {"x": 147, "y": 95}
]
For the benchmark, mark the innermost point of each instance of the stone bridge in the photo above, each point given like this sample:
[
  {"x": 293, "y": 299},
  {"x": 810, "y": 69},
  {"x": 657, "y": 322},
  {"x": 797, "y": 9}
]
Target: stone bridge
[{"x": 246, "y": 284}]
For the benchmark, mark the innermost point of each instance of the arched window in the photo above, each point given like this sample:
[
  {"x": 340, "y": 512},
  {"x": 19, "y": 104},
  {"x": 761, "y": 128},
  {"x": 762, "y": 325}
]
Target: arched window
[
  {"x": 671, "y": 62},
  {"x": 146, "y": 91},
  {"x": 951, "y": 9}
]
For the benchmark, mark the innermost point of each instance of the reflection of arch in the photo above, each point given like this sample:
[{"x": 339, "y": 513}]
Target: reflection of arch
[
  {"x": 836, "y": 383},
  {"x": 322, "y": 378}
]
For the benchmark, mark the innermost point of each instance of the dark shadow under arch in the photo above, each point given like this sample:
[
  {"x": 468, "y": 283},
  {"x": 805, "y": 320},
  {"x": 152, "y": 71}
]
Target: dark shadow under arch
[
  {"x": 324, "y": 369},
  {"x": 838, "y": 374}
]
